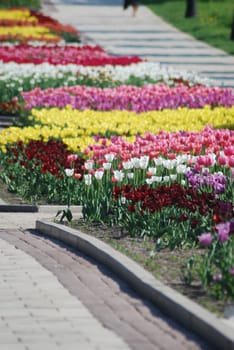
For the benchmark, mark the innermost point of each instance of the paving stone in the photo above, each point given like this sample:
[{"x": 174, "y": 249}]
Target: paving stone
[
  {"x": 13, "y": 346},
  {"x": 23, "y": 320}
]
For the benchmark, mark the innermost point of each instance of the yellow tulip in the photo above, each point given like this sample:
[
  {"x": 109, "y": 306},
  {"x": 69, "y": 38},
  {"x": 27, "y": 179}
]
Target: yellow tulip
[{"x": 77, "y": 128}]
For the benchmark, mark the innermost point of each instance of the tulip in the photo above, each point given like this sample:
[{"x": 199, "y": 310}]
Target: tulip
[
  {"x": 69, "y": 172},
  {"x": 88, "y": 179},
  {"x": 205, "y": 239},
  {"x": 89, "y": 165},
  {"x": 118, "y": 175},
  {"x": 98, "y": 174},
  {"x": 72, "y": 158},
  {"x": 223, "y": 231}
]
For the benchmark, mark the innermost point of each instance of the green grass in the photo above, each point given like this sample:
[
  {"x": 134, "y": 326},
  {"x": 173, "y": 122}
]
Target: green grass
[
  {"x": 211, "y": 25},
  {"x": 32, "y": 4}
]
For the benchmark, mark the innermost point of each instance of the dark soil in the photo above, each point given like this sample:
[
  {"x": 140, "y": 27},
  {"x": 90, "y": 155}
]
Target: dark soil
[
  {"x": 9, "y": 197},
  {"x": 166, "y": 265}
]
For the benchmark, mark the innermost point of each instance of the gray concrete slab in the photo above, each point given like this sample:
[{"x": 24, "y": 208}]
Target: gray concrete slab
[
  {"x": 147, "y": 35},
  {"x": 24, "y": 220}
]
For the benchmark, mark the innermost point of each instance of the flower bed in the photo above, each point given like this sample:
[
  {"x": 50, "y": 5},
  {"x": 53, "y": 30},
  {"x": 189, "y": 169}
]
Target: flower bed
[
  {"x": 84, "y": 55},
  {"x": 14, "y": 80},
  {"x": 147, "y": 149},
  {"x": 22, "y": 25},
  {"x": 138, "y": 99},
  {"x": 80, "y": 129}
]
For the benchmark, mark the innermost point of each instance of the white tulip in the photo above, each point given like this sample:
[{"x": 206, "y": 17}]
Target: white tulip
[
  {"x": 130, "y": 175},
  {"x": 181, "y": 169},
  {"x": 169, "y": 163},
  {"x": 99, "y": 174},
  {"x": 158, "y": 161},
  {"x": 119, "y": 175},
  {"x": 173, "y": 177},
  {"x": 69, "y": 172},
  {"x": 143, "y": 162},
  {"x": 152, "y": 170},
  {"x": 88, "y": 179},
  {"x": 109, "y": 157},
  {"x": 89, "y": 164},
  {"x": 166, "y": 178},
  {"x": 107, "y": 166},
  {"x": 157, "y": 178},
  {"x": 149, "y": 181},
  {"x": 127, "y": 165},
  {"x": 136, "y": 162}
]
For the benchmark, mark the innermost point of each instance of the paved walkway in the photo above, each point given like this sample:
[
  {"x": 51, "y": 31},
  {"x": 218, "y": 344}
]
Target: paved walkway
[
  {"x": 146, "y": 35},
  {"x": 69, "y": 301},
  {"x": 37, "y": 312}
]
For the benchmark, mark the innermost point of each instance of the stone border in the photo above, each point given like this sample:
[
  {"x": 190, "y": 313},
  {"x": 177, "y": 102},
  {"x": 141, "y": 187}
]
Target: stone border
[
  {"x": 26, "y": 208},
  {"x": 186, "y": 312}
]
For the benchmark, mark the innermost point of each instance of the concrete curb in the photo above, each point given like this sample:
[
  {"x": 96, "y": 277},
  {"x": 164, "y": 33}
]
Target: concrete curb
[
  {"x": 25, "y": 208},
  {"x": 18, "y": 208},
  {"x": 178, "y": 307}
]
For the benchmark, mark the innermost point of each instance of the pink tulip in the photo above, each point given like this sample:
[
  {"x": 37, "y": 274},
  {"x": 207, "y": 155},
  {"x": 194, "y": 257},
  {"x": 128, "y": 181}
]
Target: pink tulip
[
  {"x": 222, "y": 160},
  {"x": 72, "y": 158},
  {"x": 126, "y": 97}
]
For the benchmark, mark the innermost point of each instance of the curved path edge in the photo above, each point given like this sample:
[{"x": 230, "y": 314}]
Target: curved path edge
[{"x": 178, "y": 307}]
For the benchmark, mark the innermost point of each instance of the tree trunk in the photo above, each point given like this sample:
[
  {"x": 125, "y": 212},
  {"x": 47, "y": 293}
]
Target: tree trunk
[
  {"x": 191, "y": 10},
  {"x": 232, "y": 30}
]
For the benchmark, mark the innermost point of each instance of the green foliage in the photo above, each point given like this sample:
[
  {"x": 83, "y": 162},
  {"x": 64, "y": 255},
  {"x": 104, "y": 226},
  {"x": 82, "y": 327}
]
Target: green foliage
[
  {"x": 36, "y": 187},
  {"x": 96, "y": 201},
  {"x": 12, "y": 86},
  {"x": 211, "y": 25},
  {"x": 69, "y": 37},
  {"x": 33, "y": 4},
  {"x": 65, "y": 213},
  {"x": 214, "y": 269}
]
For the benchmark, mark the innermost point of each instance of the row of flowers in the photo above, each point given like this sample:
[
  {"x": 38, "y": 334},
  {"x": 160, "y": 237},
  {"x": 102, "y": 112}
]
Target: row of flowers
[
  {"x": 138, "y": 99},
  {"x": 118, "y": 129},
  {"x": 25, "y": 17},
  {"x": 178, "y": 200},
  {"x": 144, "y": 71},
  {"x": 147, "y": 148},
  {"x": 85, "y": 55},
  {"x": 14, "y": 80},
  {"x": 22, "y": 25},
  {"x": 209, "y": 174}
]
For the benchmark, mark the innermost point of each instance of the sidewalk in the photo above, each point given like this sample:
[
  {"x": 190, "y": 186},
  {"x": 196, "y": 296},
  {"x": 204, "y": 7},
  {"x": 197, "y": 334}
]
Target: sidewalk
[
  {"x": 56, "y": 297},
  {"x": 37, "y": 312},
  {"x": 107, "y": 24}
]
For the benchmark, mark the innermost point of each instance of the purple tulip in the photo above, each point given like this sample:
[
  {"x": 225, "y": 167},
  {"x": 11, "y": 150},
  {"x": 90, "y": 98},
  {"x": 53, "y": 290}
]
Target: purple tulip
[
  {"x": 218, "y": 277},
  {"x": 139, "y": 99},
  {"x": 223, "y": 231},
  {"x": 205, "y": 239},
  {"x": 231, "y": 232}
]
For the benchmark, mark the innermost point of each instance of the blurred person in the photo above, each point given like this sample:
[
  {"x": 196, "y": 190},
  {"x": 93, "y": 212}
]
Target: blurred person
[{"x": 133, "y": 3}]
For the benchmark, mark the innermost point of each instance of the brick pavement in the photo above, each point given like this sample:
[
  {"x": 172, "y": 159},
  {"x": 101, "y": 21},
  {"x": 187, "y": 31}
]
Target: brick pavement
[
  {"x": 120, "y": 317},
  {"x": 38, "y": 312}
]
